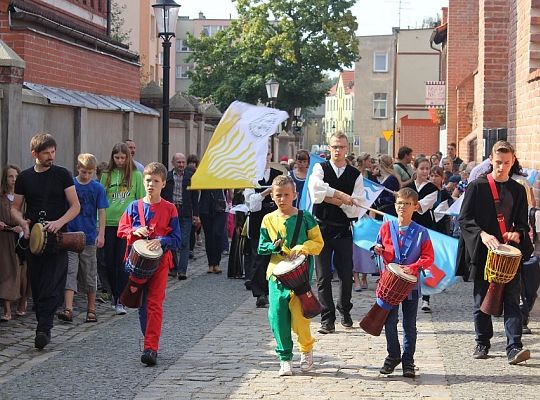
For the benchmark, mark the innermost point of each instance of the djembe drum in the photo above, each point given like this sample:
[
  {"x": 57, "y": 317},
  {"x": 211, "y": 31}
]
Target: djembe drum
[
  {"x": 501, "y": 267},
  {"x": 44, "y": 242},
  {"x": 141, "y": 264},
  {"x": 394, "y": 287},
  {"x": 294, "y": 275}
]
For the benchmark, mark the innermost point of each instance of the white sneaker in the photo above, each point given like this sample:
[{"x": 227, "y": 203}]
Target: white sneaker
[
  {"x": 285, "y": 368},
  {"x": 306, "y": 361},
  {"x": 120, "y": 310},
  {"x": 425, "y": 306}
]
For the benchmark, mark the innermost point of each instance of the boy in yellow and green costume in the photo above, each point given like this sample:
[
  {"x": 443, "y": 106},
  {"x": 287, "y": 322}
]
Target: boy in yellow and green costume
[{"x": 284, "y": 311}]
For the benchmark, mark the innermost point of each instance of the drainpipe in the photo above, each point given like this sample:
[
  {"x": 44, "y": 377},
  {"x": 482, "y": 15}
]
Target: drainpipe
[
  {"x": 109, "y": 17},
  {"x": 395, "y": 30}
]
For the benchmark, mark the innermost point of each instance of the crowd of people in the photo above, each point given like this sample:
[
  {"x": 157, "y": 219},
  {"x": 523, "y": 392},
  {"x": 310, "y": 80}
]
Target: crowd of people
[{"x": 119, "y": 202}]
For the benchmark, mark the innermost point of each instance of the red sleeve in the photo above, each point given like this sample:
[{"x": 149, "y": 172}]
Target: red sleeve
[
  {"x": 385, "y": 240},
  {"x": 125, "y": 229}
]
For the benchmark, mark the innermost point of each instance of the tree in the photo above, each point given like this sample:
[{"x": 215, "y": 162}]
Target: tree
[
  {"x": 293, "y": 41},
  {"x": 117, "y": 24}
]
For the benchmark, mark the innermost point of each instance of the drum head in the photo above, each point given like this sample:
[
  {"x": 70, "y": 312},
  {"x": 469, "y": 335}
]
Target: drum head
[
  {"x": 507, "y": 250},
  {"x": 140, "y": 246},
  {"x": 398, "y": 271},
  {"x": 37, "y": 238},
  {"x": 288, "y": 265}
]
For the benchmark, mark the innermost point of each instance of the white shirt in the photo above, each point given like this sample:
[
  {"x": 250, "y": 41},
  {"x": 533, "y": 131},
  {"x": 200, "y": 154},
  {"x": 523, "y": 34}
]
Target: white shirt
[
  {"x": 318, "y": 190},
  {"x": 254, "y": 200},
  {"x": 480, "y": 169}
]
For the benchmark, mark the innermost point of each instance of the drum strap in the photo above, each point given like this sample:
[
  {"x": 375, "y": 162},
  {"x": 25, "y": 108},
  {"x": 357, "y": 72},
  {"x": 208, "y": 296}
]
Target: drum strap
[
  {"x": 299, "y": 219},
  {"x": 495, "y": 194},
  {"x": 140, "y": 209}
]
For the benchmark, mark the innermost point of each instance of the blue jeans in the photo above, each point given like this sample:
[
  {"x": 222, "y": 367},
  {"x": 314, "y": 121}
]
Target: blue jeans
[
  {"x": 409, "y": 309},
  {"x": 181, "y": 255},
  {"x": 512, "y": 314}
]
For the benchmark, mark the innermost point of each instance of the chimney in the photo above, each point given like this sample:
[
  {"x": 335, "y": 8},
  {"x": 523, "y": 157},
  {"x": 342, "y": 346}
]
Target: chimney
[{"x": 201, "y": 15}]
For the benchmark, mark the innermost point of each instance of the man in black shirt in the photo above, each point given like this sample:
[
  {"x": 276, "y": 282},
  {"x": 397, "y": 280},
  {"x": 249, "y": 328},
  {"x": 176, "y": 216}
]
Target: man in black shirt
[
  {"x": 50, "y": 198},
  {"x": 481, "y": 230}
]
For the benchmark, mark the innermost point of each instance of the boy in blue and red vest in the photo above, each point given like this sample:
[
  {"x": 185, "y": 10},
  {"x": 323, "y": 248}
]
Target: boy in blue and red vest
[{"x": 406, "y": 243}]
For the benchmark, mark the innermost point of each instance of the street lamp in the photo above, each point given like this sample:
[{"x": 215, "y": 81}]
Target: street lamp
[
  {"x": 272, "y": 89},
  {"x": 166, "y": 12},
  {"x": 297, "y": 114}
]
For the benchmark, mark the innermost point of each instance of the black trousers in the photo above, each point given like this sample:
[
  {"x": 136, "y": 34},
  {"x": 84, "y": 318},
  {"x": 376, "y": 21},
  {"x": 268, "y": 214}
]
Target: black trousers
[
  {"x": 115, "y": 250},
  {"x": 47, "y": 275},
  {"x": 214, "y": 230},
  {"x": 259, "y": 284},
  {"x": 337, "y": 247},
  {"x": 512, "y": 314},
  {"x": 530, "y": 281}
]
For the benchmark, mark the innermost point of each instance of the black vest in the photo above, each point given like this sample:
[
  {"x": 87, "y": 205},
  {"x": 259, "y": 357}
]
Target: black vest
[
  {"x": 427, "y": 219},
  {"x": 268, "y": 206},
  {"x": 329, "y": 213}
]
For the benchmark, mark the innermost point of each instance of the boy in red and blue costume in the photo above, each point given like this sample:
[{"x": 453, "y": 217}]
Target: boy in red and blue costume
[
  {"x": 406, "y": 243},
  {"x": 162, "y": 229}
]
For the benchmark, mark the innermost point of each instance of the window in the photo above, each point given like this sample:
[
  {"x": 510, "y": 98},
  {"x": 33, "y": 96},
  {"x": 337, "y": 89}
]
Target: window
[
  {"x": 181, "y": 46},
  {"x": 181, "y": 71},
  {"x": 379, "y": 105},
  {"x": 380, "y": 61},
  {"x": 211, "y": 30}
]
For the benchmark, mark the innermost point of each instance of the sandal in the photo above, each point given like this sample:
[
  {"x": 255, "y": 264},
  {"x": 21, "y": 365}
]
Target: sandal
[
  {"x": 5, "y": 318},
  {"x": 66, "y": 315},
  {"x": 91, "y": 316}
]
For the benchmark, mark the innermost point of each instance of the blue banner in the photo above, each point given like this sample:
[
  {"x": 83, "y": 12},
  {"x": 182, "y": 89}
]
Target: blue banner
[
  {"x": 440, "y": 276},
  {"x": 305, "y": 201}
]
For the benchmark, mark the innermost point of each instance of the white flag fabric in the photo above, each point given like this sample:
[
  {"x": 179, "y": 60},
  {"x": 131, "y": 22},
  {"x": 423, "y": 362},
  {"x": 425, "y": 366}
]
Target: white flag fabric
[
  {"x": 455, "y": 208},
  {"x": 236, "y": 154},
  {"x": 440, "y": 210}
]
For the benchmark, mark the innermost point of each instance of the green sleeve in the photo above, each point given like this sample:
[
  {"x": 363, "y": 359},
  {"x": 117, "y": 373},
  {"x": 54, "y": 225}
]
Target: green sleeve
[{"x": 138, "y": 185}]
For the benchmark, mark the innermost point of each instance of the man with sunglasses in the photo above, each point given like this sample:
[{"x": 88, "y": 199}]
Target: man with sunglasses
[{"x": 337, "y": 191}]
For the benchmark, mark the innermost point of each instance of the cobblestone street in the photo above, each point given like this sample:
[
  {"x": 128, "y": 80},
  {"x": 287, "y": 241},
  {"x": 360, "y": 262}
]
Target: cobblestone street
[{"x": 216, "y": 344}]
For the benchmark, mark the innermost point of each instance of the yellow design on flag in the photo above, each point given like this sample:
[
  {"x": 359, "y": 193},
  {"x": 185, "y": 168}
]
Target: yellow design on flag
[{"x": 236, "y": 154}]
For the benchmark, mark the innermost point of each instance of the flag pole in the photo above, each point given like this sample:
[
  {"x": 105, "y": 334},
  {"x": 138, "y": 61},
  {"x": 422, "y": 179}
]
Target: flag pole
[{"x": 371, "y": 209}]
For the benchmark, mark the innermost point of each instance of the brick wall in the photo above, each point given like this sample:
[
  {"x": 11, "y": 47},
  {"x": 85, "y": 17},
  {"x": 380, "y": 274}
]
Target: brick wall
[
  {"x": 422, "y": 135},
  {"x": 55, "y": 63},
  {"x": 493, "y": 62},
  {"x": 462, "y": 60},
  {"x": 524, "y": 86}
]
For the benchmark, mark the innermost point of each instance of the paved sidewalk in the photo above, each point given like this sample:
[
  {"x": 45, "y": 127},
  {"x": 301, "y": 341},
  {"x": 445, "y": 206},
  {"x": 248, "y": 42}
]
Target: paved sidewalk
[
  {"x": 216, "y": 344},
  {"x": 236, "y": 361}
]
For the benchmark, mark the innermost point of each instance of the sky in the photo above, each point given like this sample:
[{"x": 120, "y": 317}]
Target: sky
[{"x": 374, "y": 17}]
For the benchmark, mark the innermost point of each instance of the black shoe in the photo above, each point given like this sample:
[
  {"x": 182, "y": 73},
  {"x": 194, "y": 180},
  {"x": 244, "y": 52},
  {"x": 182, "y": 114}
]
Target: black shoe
[
  {"x": 526, "y": 330},
  {"x": 42, "y": 339},
  {"x": 481, "y": 352},
  {"x": 182, "y": 276},
  {"x": 408, "y": 371},
  {"x": 247, "y": 284},
  {"x": 262, "y": 301},
  {"x": 389, "y": 365},
  {"x": 346, "y": 321},
  {"x": 326, "y": 329},
  {"x": 149, "y": 357},
  {"x": 517, "y": 355}
]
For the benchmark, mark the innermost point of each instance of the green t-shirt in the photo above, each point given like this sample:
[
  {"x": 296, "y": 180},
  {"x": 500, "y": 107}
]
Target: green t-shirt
[
  {"x": 403, "y": 176},
  {"x": 119, "y": 196}
]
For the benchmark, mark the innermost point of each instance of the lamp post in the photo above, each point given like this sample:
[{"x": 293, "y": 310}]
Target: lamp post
[
  {"x": 166, "y": 13},
  {"x": 297, "y": 114},
  {"x": 272, "y": 90}
]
